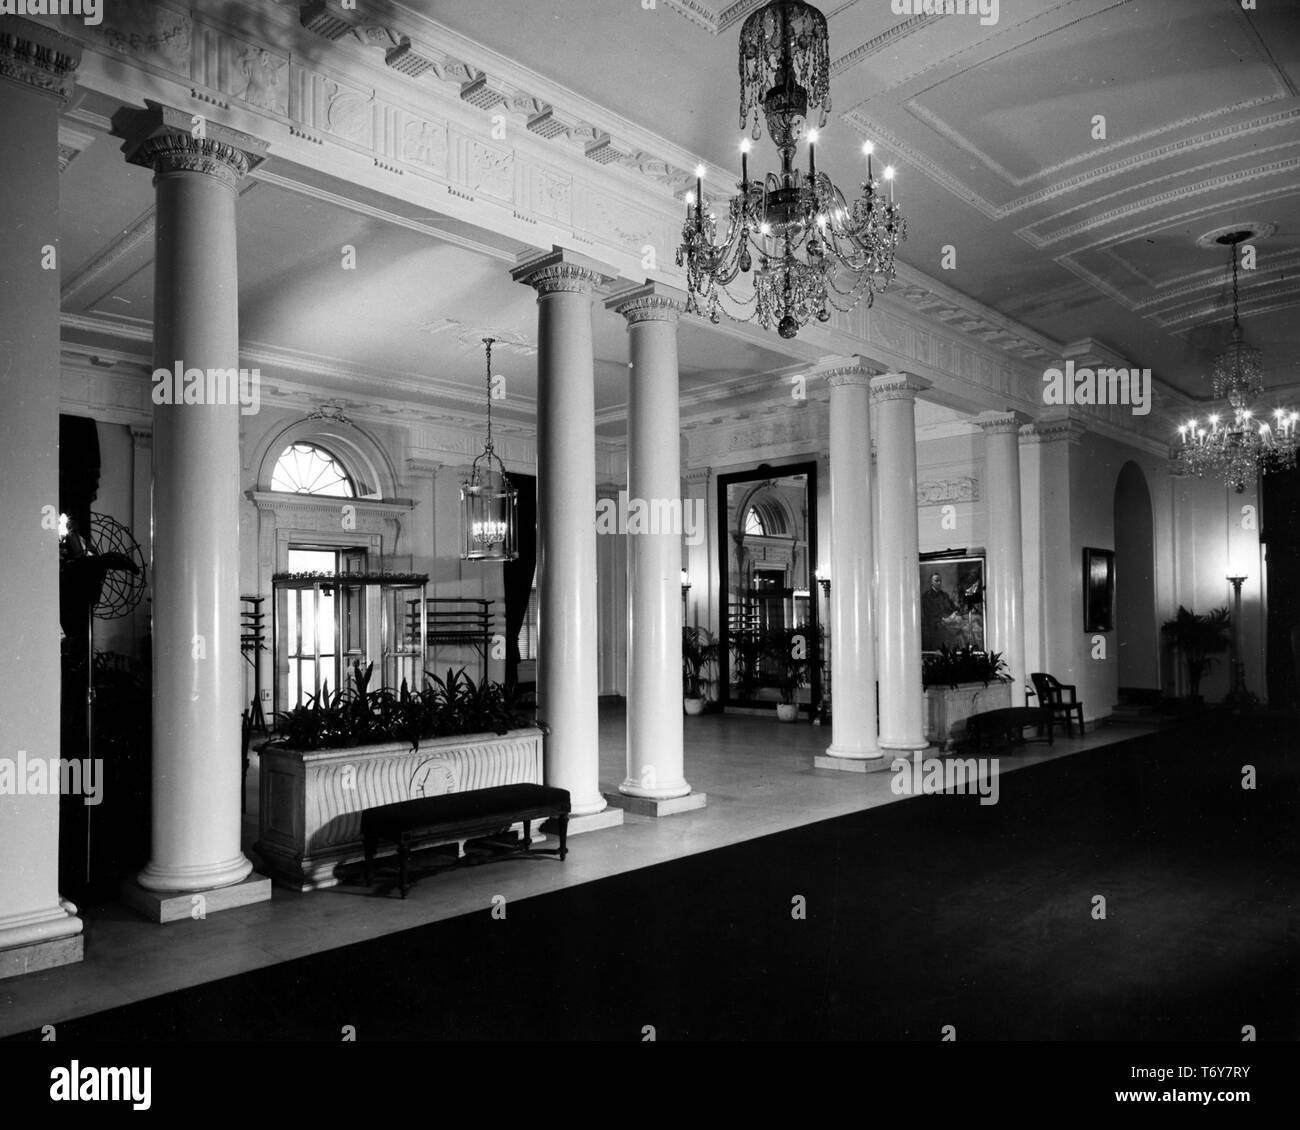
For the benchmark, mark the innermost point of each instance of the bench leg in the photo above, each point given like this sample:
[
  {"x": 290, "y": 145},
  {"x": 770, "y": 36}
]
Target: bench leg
[
  {"x": 564, "y": 832},
  {"x": 403, "y": 862},
  {"x": 528, "y": 835}
]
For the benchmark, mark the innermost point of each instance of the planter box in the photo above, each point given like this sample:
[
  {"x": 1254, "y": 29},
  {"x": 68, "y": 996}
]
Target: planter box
[
  {"x": 948, "y": 708},
  {"x": 311, "y": 802}
]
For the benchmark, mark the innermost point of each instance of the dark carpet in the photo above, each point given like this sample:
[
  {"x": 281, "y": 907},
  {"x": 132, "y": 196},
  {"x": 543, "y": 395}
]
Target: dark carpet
[{"x": 928, "y": 912}]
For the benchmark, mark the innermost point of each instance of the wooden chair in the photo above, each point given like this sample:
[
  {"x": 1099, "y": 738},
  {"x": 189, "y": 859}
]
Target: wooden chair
[{"x": 1051, "y": 694}]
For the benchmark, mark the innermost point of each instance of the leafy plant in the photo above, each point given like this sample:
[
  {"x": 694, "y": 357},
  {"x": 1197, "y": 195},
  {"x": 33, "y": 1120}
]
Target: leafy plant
[
  {"x": 951, "y": 667},
  {"x": 454, "y": 705},
  {"x": 1197, "y": 638},
  {"x": 791, "y": 652},
  {"x": 699, "y": 654}
]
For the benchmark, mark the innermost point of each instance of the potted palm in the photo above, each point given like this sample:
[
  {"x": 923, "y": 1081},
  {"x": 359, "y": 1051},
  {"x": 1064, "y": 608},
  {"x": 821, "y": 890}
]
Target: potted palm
[
  {"x": 1197, "y": 638},
  {"x": 958, "y": 684},
  {"x": 788, "y": 652},
  {"x": 699, "y": 653}
]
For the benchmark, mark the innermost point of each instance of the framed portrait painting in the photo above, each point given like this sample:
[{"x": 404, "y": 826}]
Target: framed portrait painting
[{"x": 952, "y": 603}]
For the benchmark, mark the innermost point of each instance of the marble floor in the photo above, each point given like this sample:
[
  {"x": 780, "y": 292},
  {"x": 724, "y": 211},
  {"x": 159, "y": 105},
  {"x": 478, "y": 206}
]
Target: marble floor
[{"x": 758, "y": 775}]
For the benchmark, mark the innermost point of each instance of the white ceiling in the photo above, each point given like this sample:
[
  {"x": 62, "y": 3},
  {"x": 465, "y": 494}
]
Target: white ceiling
[{"x": 990, "y": 127}]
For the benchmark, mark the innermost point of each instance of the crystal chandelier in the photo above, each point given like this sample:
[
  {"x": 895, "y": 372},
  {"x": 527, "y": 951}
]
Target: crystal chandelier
[
  {"x": 1233, "y": 443},
  {"x": 814, "y": 250},
  {"x": 488, "y": 500}
]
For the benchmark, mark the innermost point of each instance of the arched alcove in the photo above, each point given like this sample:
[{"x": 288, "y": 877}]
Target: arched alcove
[{"x": 1137, "y": 635}]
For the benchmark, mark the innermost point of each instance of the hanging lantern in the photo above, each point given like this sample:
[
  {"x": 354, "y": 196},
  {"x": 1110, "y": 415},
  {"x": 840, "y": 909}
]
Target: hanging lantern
[{"x": 489, "y": 518}]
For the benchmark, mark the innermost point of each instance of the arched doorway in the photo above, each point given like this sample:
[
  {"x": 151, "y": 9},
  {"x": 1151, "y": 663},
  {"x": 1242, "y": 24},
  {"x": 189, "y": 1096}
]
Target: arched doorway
[{"x": 1137, "y": 637}]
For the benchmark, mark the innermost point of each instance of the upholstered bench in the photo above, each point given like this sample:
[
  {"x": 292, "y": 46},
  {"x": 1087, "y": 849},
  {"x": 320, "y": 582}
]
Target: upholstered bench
[
  {"x": 1008, "y": 724},
  {"x": 452, "y": 817}
]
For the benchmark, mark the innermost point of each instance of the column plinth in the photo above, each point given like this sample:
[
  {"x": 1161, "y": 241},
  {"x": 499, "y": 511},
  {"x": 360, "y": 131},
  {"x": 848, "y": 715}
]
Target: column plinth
[
  {"x": 898, "y": 593},
  {"x": 655, "y": 770},
  {"x": 567, "y": 685},
  {"x": 197, "y": 666}
]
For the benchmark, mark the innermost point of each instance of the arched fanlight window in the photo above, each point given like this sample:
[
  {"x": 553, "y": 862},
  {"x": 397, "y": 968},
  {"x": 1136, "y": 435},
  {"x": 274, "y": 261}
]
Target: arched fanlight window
[
  {"x": 754, "y": 523},
  {"x": 304, "y": 468}
]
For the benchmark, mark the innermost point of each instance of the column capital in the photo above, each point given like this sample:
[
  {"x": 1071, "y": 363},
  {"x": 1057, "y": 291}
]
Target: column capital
[
  {"x": 562, "y": 271},
  {"x": 697, "y": 474},
  {"x": 652, "y": 302},
  {"x": 1054, "y": 430},
  {"x": 34, "y": 55},
  {"x": 897, "y": 386},
  {"x": 418, "y": 466},
  {"x": 141, "y": 437},
  {"x": 994, "y": 422},
  {"x": 161, "y": 138},
  {"x": 850, "y": 376}
]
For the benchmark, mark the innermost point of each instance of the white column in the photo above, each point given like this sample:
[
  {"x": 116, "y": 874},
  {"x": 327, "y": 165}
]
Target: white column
[
  {"x": 854, "y": 742},
  {"x": 1004, "y": 620},
  {"x": 1049, "y": 447},
  {"x": 898, "y": 597},
  {"x": 37, "y": 928},
  {"x": 566, "y": 529},
  {"x": 197, "y": 667},
  {"x": 655, "y": 784}
]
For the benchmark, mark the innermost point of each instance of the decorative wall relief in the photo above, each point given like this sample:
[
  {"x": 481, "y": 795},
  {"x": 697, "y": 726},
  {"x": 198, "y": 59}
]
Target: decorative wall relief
[
  {"x": 965, "y": 488},
  {"x": 549, "y": 195},
  {"x": 487, "y": 170},
  {"x": 325, "y": 104},
  {"x": 619, "y": 223},
  {"x": 147, "y": 31},
  {"x": 261, "y": 79},
  {"x": 424, "y": 143}
]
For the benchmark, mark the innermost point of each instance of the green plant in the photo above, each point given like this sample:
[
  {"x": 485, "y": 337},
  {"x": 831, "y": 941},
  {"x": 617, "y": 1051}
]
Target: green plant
[
  {"x": 1197, "y": 637},
  {"x": 949, "y": 668},
  {"x": 699, "y": 654},
  {"x": 454, "y": 705},
  {"x": 791, "y": 652}
]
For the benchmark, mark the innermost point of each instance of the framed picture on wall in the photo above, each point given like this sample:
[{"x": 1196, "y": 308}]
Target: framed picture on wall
[
  {"x": 1098, "y": 590},
  {"x": 952, "y": 602}
]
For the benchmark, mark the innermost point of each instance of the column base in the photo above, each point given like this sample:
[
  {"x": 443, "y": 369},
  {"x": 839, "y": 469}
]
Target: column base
[
  {"x": 594, "y": 822},
  {"x": 657, "y": 806},
  {"x": 831, "y": 760},
  {"x": 175, "y": 906},
  {"x": 896, "y": 746},
  {"x": 21, "y": 960}
]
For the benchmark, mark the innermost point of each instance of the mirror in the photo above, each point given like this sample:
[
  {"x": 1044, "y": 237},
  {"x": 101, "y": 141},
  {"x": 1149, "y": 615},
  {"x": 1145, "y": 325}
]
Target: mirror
[{"x": 768, "y": 616}]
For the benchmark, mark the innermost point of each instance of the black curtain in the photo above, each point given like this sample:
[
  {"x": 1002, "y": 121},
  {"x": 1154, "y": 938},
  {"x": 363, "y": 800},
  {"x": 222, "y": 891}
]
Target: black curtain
[
  {"x": 518, "y": 574},
  {"x": 1280, "y": 503}
]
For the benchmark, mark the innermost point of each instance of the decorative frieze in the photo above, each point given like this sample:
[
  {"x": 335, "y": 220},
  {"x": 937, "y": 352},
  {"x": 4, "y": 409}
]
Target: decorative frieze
[
  {"x": 37, "y": 56},
  {"x": 964, "y": 488}
]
